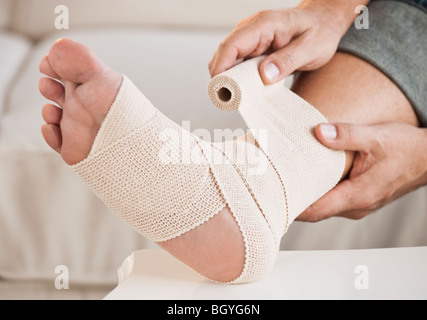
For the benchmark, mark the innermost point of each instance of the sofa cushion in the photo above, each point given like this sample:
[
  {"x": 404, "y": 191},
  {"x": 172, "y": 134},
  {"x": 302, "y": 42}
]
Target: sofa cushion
[{"x": 48, "y": 217}]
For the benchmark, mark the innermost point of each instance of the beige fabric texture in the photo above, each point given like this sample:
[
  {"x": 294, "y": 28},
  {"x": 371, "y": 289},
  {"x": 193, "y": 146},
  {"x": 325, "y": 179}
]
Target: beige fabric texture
[
  {"x": 139, "y": 168},
  {"x": 164, "y": 181},
  {"x": 161, "y": 199}
]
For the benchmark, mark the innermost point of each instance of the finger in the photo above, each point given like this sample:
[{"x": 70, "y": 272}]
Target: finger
[
  {"x": 336, "y": 201},
  {"x": 252, "y": 37},
  {"x": 264, "y": 46},
  {"x": 284, "y": 62},
  {"x": 344, "y": 136},
  {"x": 355, "y": 214},
  {"x": 237, "y": 46}
]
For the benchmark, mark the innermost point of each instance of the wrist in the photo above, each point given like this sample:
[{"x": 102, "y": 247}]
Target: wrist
[{"x": 339, "y": 13}]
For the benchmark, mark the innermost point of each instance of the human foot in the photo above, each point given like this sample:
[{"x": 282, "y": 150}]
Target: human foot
[{"x": 85, "y": 90}]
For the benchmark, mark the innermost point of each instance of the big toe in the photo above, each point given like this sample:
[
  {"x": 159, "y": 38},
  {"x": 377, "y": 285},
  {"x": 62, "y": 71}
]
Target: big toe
[{"x": 74, "y": 61}]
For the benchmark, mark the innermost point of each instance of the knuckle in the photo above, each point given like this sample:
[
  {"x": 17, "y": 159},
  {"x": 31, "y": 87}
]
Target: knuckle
[
  {"x": 315, "y": 215},
  {"x": 255, "y": 17},
  {"x": 274, "y": 16},
  {"x": 313, "y": 218},
  {"x": 243, "y": 23},
  {"x": 376, "y": 144},
  {"x": 359, "y": 199},
  {"x": 224, "y": 44},
  {"x": 226, "y": 47},
  {"x": 350, "y": 133},
  {"x": 369, "y": 202},
  {"x": 270, "y": 17},
  {"x": 360, "y": 215},
  {"x": 229, "y": 43},
  {"x": 286, "y": 61},
  {"x": 380, "y": 140},
  {"x": 310, "y": 215},
  {"x": 264, "y": 13},
  {"x": 263, "y": 45}
]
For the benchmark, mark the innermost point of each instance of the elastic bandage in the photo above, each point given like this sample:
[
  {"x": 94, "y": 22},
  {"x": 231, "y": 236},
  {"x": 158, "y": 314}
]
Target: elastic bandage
[{"x": 164, "y": 181}]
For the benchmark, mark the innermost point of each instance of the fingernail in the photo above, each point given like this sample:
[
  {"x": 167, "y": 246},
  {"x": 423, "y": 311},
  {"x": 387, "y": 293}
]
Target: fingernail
[
  {"x": 329, "y": 131},
  {"x": 271, "y": 71}
]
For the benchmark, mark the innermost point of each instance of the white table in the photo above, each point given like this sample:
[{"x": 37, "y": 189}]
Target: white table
[{"x": 399, "y": 273}]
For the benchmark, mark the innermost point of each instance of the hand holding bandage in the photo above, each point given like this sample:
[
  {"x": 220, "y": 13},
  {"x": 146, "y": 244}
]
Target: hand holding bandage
[{"x": 376, "y": 177}]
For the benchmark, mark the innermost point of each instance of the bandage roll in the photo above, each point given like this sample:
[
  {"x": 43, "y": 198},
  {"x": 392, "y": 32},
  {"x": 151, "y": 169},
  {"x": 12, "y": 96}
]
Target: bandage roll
[{"x": 282, "y": 124}]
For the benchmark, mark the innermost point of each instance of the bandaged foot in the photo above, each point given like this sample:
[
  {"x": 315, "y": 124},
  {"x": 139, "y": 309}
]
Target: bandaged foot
[{"x": 166, "y": 182}]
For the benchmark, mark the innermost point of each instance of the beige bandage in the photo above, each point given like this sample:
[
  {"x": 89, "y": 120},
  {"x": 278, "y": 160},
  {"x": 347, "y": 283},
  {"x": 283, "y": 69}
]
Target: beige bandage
[
  {"x": 164, "y": 181},
  {"x": 306, "y": 168}
]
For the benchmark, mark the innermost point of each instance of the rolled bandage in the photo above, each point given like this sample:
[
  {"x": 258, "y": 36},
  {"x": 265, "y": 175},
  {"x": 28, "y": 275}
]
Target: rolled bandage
[
  {"x": 306, "y": 168},
  {"x": 164, "y": 181}
]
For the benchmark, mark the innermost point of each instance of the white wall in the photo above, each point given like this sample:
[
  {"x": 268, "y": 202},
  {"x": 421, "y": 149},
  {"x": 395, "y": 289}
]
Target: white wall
[{"x": 36, "y": 18}]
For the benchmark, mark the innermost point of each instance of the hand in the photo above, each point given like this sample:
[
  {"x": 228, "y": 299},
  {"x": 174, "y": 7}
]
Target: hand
[
  {"x": 391, "y": 160},
  {"x": 303, "y": 38}
]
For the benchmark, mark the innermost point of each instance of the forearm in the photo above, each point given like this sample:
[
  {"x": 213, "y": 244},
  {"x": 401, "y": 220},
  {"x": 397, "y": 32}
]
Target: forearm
[{"x": 342, "y": 12}]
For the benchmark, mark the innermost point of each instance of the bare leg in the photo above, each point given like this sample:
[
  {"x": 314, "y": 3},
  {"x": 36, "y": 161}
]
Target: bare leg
[{"x": 348, "y": 89}]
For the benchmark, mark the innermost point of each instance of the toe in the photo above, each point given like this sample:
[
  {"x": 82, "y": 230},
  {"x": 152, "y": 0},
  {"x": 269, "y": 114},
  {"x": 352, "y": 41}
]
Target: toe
[
  {"x": 46, "y": 68},
  {"x": 52, "y": 136},
  {"x": 73, "y": 61},
  {"x": 51, "y": 114},
  {"x": 52, "y": 90}
]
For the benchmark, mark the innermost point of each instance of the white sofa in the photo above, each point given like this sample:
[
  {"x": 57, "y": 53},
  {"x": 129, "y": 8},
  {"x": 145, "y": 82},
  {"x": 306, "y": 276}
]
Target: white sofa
[{"x": 48, "y": 217}]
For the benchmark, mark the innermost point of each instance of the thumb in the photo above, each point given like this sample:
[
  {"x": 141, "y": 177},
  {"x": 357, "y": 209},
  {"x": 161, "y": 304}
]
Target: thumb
[
  {"x": 339, "y": 199},
  {"x": 284, "y": 62},
  {"x": 345, "y": 136}
]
